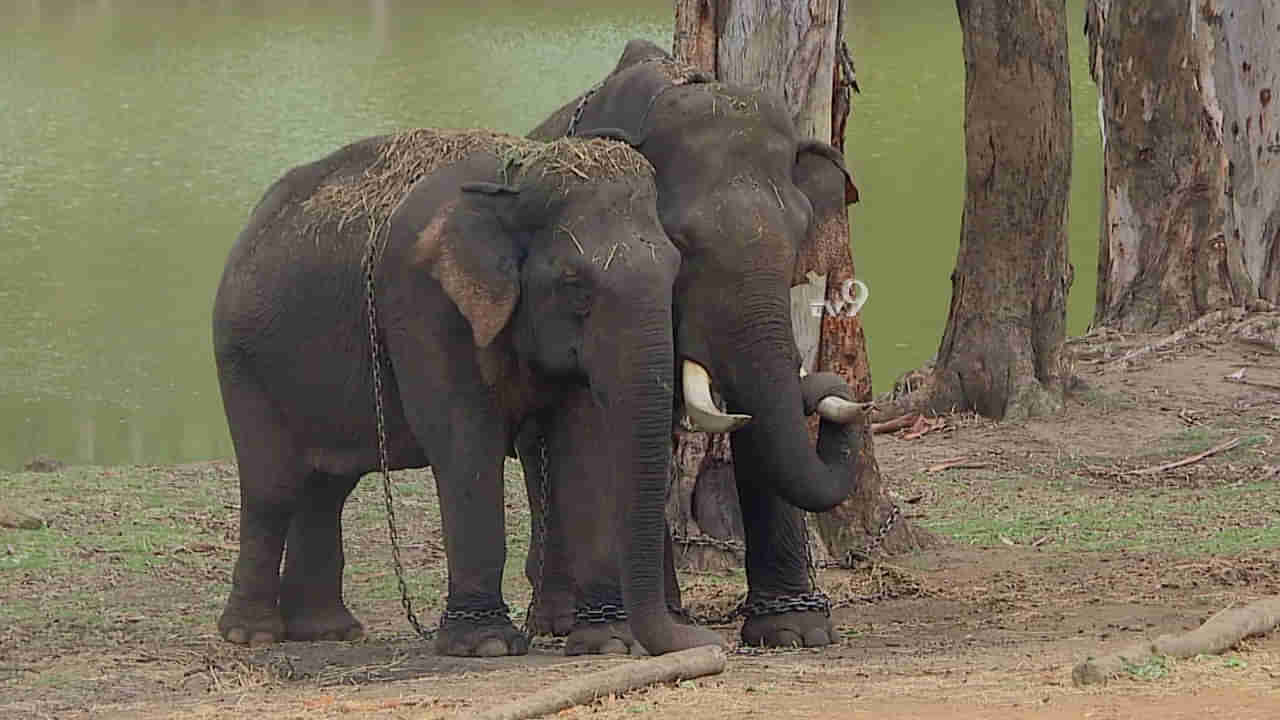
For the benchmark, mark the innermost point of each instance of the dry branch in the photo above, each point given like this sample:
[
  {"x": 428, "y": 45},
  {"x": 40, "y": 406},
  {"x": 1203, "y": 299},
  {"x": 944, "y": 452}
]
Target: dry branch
[
  {"x": 1217, "y": 634},
  {"x": 893, "y": 425},
  {"x": 1216, "y": 317},
  {"x": 682, "y": 665},
  {"x": 959, "y": 463},
  {"x": 1187, "y": 460}
]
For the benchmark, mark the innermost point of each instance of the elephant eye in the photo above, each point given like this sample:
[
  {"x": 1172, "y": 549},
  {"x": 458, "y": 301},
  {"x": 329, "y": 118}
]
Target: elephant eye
[{"x": 576, "y": 295}]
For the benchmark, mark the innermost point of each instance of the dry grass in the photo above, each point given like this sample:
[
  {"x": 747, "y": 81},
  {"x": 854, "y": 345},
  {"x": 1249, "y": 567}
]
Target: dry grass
[{"x": 406, "y": 157}]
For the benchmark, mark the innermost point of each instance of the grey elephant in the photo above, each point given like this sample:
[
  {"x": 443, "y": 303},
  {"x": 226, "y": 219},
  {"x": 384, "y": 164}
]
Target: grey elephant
[
  {"x": 742, "y": 195},
  {"x": 505, "y": 274}
]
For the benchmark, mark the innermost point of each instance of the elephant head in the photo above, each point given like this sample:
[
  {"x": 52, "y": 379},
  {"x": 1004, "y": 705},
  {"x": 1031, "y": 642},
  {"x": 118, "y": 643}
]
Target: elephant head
[
  {"x": 564, "y": 275},
  {"x": 742, "y": 196}
]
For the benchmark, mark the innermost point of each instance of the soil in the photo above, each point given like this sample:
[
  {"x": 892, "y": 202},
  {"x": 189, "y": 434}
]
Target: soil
[{"x": 1062, "y": 544}]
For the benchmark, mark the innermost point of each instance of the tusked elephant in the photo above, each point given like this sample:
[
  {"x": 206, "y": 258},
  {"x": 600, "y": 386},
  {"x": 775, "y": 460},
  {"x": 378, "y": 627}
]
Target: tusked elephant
[
  {"x": 741, "y": 195},
  {"x": 507, "y": 273}
]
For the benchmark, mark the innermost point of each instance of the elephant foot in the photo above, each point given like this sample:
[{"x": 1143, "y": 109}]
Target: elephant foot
[
  {"x": 554, "y": 614},
  {"x": 244, "y": 626},
  {"x": 789, "y": 629},
  {"x": 486, "y": 633},
  {"x": 613, "y": 638},
  {"x": 332, "y": 624}
]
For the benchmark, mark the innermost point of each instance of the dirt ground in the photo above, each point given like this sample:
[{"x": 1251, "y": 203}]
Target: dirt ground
[{"x": 1066, "y": 539}]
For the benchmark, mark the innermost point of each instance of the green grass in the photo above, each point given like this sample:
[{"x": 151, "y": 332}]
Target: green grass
[{"x": 1077, "y": 512}]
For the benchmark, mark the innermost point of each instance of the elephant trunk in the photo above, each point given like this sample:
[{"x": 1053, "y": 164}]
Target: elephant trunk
[
  {"x": 762, "y": 381},
  {"x": 642, "y": 356}
]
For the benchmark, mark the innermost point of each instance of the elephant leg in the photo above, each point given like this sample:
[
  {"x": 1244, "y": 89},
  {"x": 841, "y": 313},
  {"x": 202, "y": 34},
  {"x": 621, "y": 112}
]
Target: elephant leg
[
  {"x": 777, "y": 567},
  {"x": 475, "y": 621},
  {"x": 553, "y": 611},
  {"x": 583, "y": 543},
  {"x": 311, "y": 590},
  {"x": 454, "y": 416},
  {"x": 271, "y": 480}
]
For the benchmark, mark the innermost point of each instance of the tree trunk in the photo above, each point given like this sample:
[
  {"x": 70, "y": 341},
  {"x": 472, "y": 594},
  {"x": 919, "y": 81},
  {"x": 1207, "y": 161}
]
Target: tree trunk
[
  {"x": 1246, "y": 72},
  {"x": 794, "y": 49},
  {"x": 1172, "y": 245},
  {"x": 1000, "y": 352}
]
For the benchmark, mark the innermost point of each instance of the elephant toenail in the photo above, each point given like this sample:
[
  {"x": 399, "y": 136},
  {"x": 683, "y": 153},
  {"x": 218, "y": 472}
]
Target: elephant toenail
[
  {"x": 262, "y": 638},
  {"x": 492, "y": 647},
  {"x": 238, "y": 636},
  {"x": 613, "y": 646},
  {"x": 786, "y": 638},
  {"x": 817, "y": 637}
]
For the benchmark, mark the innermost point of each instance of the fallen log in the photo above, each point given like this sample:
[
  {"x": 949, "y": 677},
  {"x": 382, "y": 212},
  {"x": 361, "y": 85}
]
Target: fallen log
[
  {"x": 1218, "y": 633},
  {"x": 682, "y": 665}
]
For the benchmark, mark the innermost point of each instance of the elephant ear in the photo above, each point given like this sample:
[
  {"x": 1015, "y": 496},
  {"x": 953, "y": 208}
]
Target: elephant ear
[
  {"x": 820, "y": 173},
  {"x": 815, "y": 163},
  {"x": 469, "y": 249}
]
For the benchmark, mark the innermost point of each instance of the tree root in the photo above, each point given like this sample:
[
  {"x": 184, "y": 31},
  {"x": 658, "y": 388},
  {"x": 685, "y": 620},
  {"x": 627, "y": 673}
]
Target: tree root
[
  {"x": 1217, "y": 634},
  {"x": 682, "y": 665}
]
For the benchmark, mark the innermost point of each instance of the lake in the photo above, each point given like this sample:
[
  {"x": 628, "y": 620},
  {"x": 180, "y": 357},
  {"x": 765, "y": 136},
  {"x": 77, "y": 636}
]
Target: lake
[{"x": 136, "y": 138}]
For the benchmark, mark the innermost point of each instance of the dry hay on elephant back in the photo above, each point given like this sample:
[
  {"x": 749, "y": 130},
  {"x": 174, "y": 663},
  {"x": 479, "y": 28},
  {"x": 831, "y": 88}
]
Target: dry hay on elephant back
[
  {"x": 680, "y": 73},
  {"x": 408, "y": 156}
]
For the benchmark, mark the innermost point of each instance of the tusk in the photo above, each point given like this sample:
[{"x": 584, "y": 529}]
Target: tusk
[
  {"x": 841, "y": 411},
  {"x": 703, "y": 413}
]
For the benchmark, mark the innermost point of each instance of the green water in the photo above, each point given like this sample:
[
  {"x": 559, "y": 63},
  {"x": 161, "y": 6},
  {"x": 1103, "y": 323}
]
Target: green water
[{"x": 135, "y": 138}]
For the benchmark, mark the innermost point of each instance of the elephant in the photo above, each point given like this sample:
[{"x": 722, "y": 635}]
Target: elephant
[
  {"x": 496, "y": 275},
  {"x": 742, "y": 196}
]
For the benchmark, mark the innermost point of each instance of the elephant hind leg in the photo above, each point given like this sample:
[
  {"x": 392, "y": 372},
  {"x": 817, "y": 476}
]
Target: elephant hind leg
[
  {"x": 271, "y": 480},
  {"x": 311, "y": 590}
]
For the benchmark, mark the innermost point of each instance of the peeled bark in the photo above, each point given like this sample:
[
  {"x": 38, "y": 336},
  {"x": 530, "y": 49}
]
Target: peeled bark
[
  {"x": 1000, "y": 352},
  {"x": 1173, "y": 238},
  {"x": 1246, "y": 70}
]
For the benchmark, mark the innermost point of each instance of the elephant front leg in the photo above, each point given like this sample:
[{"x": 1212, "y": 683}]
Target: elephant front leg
[
  {"x": 581, "y": 595},
  {"x": 475, "y": 622},
  {"x": 547, "y": 564},
  {"x": 783, "y": 609}
]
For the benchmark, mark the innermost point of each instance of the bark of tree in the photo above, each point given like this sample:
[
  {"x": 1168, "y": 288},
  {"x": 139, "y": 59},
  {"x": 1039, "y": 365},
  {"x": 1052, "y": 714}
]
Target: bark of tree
[
  {"x": 1174, "y": 229},
  {"x": 794, "y": 49},
  {"x": 1247, "y": 73},
  {"x": 1000, "y": 353}
]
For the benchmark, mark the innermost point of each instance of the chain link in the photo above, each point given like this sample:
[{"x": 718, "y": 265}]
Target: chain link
[
  {"x": 372, "y": 251},
  {"x": 493, "y": 616},
  {"x": 604, "y": 613},
  {"x": 539, "y": 535},
  {"x": 853, "y": 556}
]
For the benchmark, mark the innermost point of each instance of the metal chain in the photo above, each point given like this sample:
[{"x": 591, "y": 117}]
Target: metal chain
[
  {"x": 603, "y": 613},
  {"x": 874, "y": 544},
  {"x": 370, "y": 261},
  {"x": 539, "y": 520},
  {"x": 476, "y": 617},
  {"x": 582, "y": 106}
]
